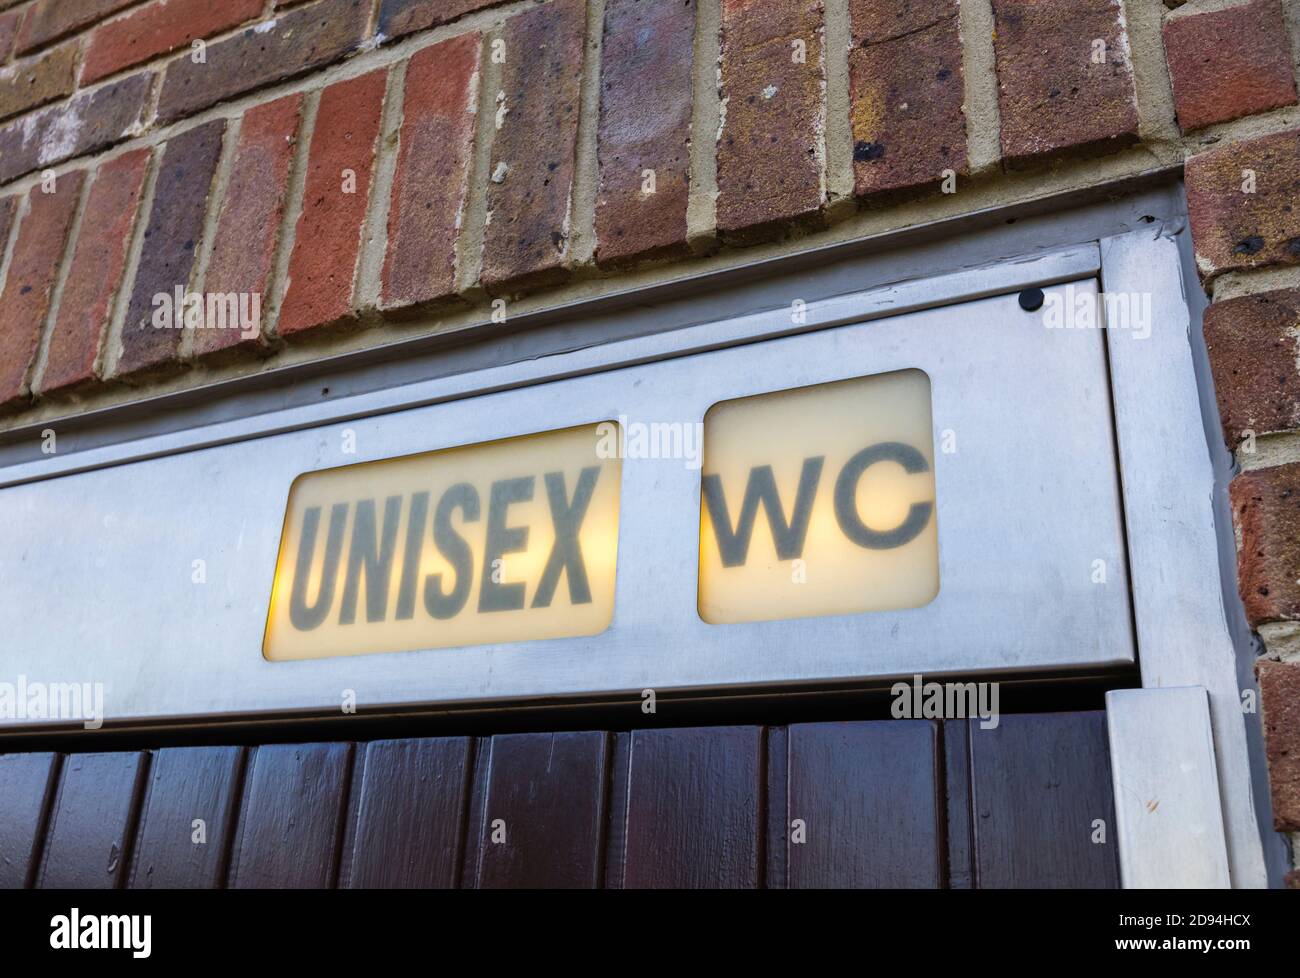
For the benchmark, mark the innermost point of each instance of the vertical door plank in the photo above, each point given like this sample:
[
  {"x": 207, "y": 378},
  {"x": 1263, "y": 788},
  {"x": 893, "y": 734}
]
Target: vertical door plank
[
  {"x": 544, "y": 795},
  {"x": 961, "y": 848},
  {"x": 694, "y": 812},
  {"x": 87, "y": 845},
  {"x": 868, "y": 797},
  {"x": 778, "y": 803},
  {"x": 477, "y": 799},
  {"x": 26, "y": 786},
  {"x": 616, "y": 818},
  {"x": 351, "y": 808},
  {"x": 187, "y": 785},
  {"x": 410, "y": 814},
  {"x": 290, "y": 828},
  {"x": 1038, "y": 783}
]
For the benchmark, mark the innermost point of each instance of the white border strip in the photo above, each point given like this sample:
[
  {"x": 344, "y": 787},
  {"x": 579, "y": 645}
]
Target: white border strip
[
  {"x": 1169, "y": 822},
  {"x": 891, "y": 300}
]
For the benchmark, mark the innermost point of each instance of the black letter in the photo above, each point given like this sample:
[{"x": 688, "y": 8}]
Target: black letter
[
  {"x": 302, "y": 617},
  {"x": 566, "y": 552},
  {"x": 846, "y": 497},
  {"x": 377, "y": 565},
  {"x": 452, "y": 546},
  {"x": 502, "y": 539},
  {"x": 411, "y": 556},
  {"x": 789, "y": 538}
]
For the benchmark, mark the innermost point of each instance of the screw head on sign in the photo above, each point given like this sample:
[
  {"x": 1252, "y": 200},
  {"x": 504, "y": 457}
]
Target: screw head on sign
[{"x": 1031, "y": 300}]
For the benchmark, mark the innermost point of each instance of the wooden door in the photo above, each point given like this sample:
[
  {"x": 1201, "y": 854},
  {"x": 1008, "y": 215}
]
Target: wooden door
[{"x": 873, "y": 803}]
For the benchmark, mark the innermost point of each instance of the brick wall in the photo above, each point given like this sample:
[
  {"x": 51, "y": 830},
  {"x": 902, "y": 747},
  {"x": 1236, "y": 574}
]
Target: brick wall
[{"x": 369, "y": 168}]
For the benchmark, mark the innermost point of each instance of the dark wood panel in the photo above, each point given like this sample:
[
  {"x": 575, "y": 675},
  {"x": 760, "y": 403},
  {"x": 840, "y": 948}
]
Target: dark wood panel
[
  {"x": 883, "y": 804},
  {"x": 776, "y": 870},
  {"x": 616, "y": 817},
  {"x": 477, "y": 801},
  {"x": 88, "y": 842},
  {"x": 1038, "y": 781},
  {"x": 542, "y": 818},
  {"x": 961, "y": 843},
  {"x": 290, "y": 827},
  {"x": 187, "y": 786},
  {"x": 694, "y": 810},
  {"x": 351, "y": 808},
  {"x": 868, "y": 797},
  {"x": 26, "y": 787},
  {"x": 409, "y": 827}
]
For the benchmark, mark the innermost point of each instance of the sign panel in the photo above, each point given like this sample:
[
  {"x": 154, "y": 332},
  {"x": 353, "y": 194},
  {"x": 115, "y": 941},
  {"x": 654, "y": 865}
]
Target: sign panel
[
  {"x": 498, "y": 542},
  {"x": 154, "y": 575},
  {"x": 819, "y": 501}
]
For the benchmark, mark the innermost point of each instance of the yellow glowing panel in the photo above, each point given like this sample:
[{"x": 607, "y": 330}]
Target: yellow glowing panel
[
  {"x": 819, "y": 501},
  {"x": 499, "y": 542}
]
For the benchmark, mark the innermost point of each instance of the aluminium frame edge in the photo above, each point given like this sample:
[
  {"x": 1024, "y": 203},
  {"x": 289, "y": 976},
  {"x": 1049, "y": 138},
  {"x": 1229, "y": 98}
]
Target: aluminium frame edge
[
  {"x": 1167, "y": 487},
  {"x": 1009, "y": 275}
]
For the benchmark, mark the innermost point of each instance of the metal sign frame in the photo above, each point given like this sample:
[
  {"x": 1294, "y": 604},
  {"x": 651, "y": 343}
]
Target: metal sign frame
[
  {"x": 1026, "y": 505},
  {"x": 1167, "y": 491}
]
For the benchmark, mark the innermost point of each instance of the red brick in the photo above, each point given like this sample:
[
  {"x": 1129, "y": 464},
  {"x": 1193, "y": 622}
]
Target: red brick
[
  {"x": 1253, "y": 355},
  {"x": 29, "y": 283},
  {"x": 1266, "y": 510},
  {"x": 249, "y": 226},
  {"x": 86, "y": 123},
  {"x": 292, "y": 44},
  {"x": 171, "y": 245},
  {"x": 8, "y": 209},
  {"x": 398, "y": 18},
  {"x": 770, "y": 156},
  {"x": 49, "y": 20},
  {"x": 97, "y": 269},
  {"x": 1279, "y": 693},
  {"x": 905, "y": 76},
  {"x": 429, "y": 187},
  {"x": 645, "y": 124},
  {"x": 1233, "y": 229},
  {"x": 527, "y": 238},
  {"x": 327, "y": 242},
  {"x": 1053, "y": 99},
  {"x": 1229, "y": 63},
  {"x": 9, "y": 23},
  {"x": 158, "y": 28},
  {"x": 35, "y": 81}
]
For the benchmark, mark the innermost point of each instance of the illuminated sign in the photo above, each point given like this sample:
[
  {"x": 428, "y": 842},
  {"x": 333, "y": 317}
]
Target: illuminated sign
[
  {"x": 814, "y": 501},
  {"x": 499, "y": 542},
  {"x": 819, "y": 501}
]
